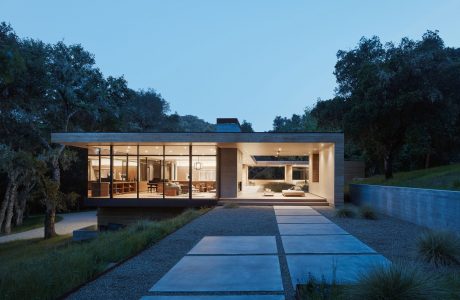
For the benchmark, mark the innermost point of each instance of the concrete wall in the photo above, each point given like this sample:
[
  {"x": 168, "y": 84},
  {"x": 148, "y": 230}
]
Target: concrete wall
[
  {"x": 229, "y": 173},
  {"x": 436, "y": 209}
]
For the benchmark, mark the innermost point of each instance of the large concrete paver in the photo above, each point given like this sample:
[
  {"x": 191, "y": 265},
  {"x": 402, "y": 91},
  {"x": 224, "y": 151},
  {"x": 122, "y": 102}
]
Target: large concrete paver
[
  {"x": 236, "y": 245},
  {"x": 291, "y": 207},
  {"x": 296, "y": 212},
  {"x": 329, "y": 244},
  {"x": 301, "y": 219},
  {"x": 338, "y": 268},
  {"x": 222, "y": 274},
  {"x": 306, "y": 229},
  {"x": 216, "y": 297}
]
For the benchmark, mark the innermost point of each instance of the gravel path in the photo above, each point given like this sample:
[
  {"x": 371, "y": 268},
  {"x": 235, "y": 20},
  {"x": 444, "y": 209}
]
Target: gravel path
[
  {"x": 134, "y": 278},
  {"x": 393, "y": 238}
]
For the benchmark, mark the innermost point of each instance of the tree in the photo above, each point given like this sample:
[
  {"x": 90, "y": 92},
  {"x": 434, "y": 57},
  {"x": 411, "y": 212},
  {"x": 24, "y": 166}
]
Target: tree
[
  {"x": 18, "y": 165},
  {"x": 391, "y": 89},
  {"x": 297, "y": 123},
  {"x": 246, "y": 126}
]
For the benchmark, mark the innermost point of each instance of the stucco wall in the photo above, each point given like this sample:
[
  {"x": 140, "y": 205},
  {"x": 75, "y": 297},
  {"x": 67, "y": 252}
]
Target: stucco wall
[{"x": 436, "y": 209}]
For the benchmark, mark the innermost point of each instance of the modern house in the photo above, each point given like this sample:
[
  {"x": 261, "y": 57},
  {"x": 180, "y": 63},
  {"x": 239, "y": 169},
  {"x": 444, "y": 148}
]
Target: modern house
[{"x": 171, "y": 169}]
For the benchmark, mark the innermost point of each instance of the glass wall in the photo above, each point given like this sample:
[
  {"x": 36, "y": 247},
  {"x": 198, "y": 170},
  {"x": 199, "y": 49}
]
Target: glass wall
[
  {"x": 154, "y": 171},
  {"x": 177, "y": 172},
  {"x": 300, "y": 173}
]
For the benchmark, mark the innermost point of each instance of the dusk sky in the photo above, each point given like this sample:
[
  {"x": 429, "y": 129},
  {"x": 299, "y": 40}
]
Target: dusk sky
[{"x": 248, "y": 59}]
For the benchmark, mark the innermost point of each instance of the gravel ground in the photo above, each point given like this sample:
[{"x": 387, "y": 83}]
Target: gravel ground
[
  {"x": 134, "y": 278},
  {"x": 393, "y": 238}
]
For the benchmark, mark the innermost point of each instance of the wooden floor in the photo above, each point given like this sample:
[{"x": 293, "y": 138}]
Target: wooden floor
[{"x": 277, "y": 199}]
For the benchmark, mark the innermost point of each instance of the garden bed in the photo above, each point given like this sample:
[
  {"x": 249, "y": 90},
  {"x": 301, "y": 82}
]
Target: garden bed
[
  {"x": 46, "y": 269},
  {"x": 396, "y": 240}
]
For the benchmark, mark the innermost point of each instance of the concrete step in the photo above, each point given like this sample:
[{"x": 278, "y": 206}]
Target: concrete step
[{"x": 276, "y": 202}]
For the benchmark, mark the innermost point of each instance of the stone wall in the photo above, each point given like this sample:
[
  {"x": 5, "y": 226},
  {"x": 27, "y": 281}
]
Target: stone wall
[{"x": 435, "y": 209}]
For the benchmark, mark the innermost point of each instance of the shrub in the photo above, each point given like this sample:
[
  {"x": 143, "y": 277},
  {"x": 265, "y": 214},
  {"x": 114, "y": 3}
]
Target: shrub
[
  {"x": 231, "y": 205},
  {"x": 439, "y": 247},
  {"x": 396, "y": 282},
  {"x": 314, "y": 290},
  {"x": 367, "y": 212},
  {"x": 277, "y": 187},
  {"x": 345, "y": 212},
  {"x": 456, "y": 184}
]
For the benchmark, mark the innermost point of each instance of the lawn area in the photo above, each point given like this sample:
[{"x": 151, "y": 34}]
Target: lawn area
[
  {"x": 32, "y": 222},
  {"x": 46, "y": 269},
  {"x": 439, "y": 178}
]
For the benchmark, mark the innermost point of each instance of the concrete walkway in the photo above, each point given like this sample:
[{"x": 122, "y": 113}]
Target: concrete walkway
[
  {"x": 250, "y": 265},
  {"x": 257, "y": 253},
  {"x": 69, "y": 223}
]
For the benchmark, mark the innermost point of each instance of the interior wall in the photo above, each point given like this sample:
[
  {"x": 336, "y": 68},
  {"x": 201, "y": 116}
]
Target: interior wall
[
  {"x": 325, "y": 186},
  {"x": 239, "y": 174}
]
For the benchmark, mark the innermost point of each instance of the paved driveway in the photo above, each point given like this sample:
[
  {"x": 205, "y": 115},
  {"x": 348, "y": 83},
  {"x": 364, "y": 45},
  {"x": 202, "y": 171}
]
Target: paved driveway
[{"x": 68, "y": 224}]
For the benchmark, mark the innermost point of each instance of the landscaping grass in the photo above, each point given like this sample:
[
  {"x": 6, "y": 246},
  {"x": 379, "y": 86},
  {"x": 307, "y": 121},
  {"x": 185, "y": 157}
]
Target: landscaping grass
[
  {"x": 31, "y": 222},
  {"x": 440, "y": 178},
  {"x": 345, "y": 212},
  {"x": 396, "y": 282},
  {"x": 46, "y": 269},
  {"x": 439, "y": 247}
]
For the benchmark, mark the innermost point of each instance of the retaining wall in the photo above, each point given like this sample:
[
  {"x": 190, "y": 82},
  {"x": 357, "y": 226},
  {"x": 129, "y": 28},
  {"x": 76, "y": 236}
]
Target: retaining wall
[{"x": 435, "y": 209}]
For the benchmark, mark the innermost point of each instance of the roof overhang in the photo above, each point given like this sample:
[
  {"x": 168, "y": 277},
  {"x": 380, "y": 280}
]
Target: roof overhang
[{"x": 223, "y": 139}]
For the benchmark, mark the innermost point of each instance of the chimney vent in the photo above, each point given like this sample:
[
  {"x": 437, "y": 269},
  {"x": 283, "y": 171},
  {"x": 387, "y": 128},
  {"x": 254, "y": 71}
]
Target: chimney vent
[{"x": 228, "y": 125}]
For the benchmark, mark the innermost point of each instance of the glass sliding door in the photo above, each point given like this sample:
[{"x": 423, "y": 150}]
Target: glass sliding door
[
  {"x": 98, "y": 171},
  {"x": 151, "y": 171},
  {"x": 176, "y": 172},
  {"x": 204, "y": 172},
  {"x": 154, "y": 171},
  {"x": 124, "y": 170}
]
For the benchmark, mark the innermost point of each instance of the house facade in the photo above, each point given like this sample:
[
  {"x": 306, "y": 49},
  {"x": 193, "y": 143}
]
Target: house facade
[{"x": 196, "y": 169}]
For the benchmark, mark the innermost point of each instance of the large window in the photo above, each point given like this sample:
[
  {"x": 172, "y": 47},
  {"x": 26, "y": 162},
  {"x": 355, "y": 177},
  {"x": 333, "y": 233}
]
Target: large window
[
  {"x": 153, "y": 171},
  {"x": 299, "y": 173},
  {"x": 266, "y": 173}
]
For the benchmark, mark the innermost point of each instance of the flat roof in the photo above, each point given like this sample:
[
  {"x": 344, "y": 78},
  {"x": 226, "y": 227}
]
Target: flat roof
[{"x": 83, "y": 139}]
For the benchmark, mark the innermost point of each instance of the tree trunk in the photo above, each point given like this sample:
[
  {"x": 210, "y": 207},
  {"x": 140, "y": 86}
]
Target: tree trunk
[
  {"x": 9, "y": 212},
  {"x": 50, "y": 214},
  {"x": 388, "y": 166},
  {"x": 427, "y": 160},
  {"x": 6, "y": 201},
  {"x": 21, "y": 203},
  {"x": 50, "y": 217}
]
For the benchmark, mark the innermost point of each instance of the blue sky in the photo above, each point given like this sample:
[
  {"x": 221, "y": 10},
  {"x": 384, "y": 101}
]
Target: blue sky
[{"x": 251, "y": 59}]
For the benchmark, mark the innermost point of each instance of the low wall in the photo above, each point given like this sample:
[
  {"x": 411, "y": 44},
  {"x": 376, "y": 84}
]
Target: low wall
[{"x": 435, "y": 209}]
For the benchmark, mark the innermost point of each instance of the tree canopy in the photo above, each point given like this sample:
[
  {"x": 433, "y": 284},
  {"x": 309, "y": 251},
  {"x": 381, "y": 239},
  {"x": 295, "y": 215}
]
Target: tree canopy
[
  {"x": 398, "y": 104},
  {"x": 48, "y": 88}
]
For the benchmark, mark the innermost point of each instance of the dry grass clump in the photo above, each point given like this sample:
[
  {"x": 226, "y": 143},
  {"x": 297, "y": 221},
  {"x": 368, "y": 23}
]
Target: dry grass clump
[
  {"x": 367, "y": 212},
  {"x": 439, "y": 247},
  {"x": 345, "y": 212}
]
